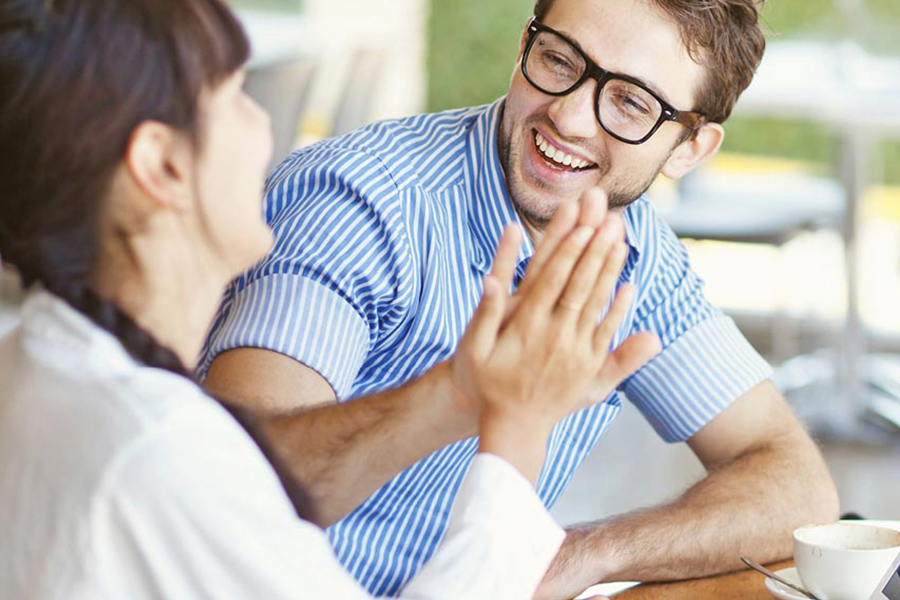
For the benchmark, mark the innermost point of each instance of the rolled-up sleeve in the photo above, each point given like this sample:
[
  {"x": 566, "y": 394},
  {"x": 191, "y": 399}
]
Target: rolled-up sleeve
[
  {"x": 338, "y": 276},
  {"x": 301, "y": 319},
  {"x": 706, "y": 363}
]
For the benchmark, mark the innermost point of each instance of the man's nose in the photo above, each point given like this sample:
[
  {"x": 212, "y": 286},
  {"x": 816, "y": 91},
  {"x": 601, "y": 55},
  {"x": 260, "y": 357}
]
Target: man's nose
[{"x": 574, "y": 115}]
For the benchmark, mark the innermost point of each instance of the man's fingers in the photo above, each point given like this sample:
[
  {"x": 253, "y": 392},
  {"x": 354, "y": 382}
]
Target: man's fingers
[{"x": 631, "y": 355}]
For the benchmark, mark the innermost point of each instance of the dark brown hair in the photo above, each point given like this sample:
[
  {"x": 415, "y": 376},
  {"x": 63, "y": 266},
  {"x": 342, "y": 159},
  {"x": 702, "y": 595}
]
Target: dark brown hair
[
  {"x": 724, "y": 36},
  {"x": 77, "y": 77}
]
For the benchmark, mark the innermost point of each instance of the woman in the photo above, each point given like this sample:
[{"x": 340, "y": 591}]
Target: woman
[{"x": 131, "y": 165}]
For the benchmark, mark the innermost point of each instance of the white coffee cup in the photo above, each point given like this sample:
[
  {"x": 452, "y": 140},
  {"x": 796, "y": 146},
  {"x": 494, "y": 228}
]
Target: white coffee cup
[{"x": 844, "y": 560}]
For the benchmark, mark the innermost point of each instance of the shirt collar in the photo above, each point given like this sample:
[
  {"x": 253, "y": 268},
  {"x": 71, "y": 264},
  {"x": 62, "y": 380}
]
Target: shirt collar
[
  {"x": 631, "y": 237},
  {"x": 490, "y": 207},
  {"x": 60, "y": 329}
]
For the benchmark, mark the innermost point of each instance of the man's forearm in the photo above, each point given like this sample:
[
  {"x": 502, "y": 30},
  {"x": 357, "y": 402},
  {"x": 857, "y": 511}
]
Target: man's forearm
[
  {"x": 749, "y": 506},
  {"x": 344, "y": 452}
]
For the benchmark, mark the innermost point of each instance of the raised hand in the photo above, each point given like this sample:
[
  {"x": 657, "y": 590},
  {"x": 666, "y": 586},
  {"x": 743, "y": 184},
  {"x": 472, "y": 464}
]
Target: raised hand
[{"x": 526, "y": 362}]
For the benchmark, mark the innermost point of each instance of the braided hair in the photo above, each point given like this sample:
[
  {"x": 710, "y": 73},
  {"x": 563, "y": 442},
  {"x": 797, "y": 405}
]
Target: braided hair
[{"x": 76, "y": 79}]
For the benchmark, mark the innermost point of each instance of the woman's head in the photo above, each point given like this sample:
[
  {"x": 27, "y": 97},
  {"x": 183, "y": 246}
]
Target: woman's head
[
  {"x": 125, "y": 138},
  {"x": 122, "y": 120}
]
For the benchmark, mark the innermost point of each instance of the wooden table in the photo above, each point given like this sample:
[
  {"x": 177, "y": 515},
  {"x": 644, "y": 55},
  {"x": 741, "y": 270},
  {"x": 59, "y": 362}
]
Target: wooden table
[{"x": 742, "y": 585}]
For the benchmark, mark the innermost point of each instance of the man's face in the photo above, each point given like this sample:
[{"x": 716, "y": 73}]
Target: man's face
[{"x": 628, "y": 37}]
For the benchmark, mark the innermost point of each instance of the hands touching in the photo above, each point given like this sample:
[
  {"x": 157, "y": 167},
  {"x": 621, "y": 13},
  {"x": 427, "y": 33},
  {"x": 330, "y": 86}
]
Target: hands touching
[{"x": 526, "y": 360}]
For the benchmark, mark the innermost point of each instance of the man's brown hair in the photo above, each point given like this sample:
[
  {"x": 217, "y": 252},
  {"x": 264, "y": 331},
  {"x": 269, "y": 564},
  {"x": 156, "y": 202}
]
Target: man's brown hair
[{"x": 724, "y": 36}]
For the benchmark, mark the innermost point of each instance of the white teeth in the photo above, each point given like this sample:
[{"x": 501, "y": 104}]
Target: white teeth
[{"x": 557, "y": 155}]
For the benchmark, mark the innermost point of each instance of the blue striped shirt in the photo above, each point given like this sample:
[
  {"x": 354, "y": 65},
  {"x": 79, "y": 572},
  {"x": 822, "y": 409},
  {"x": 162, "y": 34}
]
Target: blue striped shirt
[{"x": 383, "y": 237}]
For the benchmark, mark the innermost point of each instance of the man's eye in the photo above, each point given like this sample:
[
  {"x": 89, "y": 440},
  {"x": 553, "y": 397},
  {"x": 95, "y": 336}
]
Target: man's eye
[
  {"x": 633, "y": 104},
  {"x": 557, "y": 62}
]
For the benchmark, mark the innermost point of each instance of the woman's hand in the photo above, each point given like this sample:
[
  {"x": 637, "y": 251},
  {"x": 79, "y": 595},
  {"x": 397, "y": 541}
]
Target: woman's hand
[{"x": 526, "y": 361}]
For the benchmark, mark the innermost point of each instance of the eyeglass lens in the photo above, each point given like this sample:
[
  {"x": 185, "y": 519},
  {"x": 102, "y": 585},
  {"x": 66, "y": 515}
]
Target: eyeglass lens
[{"x": 625, "y": 109}]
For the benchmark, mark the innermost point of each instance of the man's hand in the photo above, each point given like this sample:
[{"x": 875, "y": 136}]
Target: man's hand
[{"x": 765, "y": 478}]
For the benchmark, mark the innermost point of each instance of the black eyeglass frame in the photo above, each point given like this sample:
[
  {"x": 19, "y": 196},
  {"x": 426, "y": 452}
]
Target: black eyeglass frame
[{"x": 691, "y": 120}]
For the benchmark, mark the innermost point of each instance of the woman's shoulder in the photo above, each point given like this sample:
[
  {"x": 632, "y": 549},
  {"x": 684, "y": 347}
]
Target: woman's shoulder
[
  {"x": 75, "y": 378},
  {"x": 106, "y": 466}
]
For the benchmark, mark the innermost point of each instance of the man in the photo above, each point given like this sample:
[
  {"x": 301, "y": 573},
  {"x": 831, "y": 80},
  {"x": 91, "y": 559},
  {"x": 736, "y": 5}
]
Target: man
[{"x": 384, "y": 235}]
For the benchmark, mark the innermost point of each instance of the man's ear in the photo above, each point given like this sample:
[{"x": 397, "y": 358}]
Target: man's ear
[
  {"x": 157, "y": 160},
  {"x": 694, "y": 151}
]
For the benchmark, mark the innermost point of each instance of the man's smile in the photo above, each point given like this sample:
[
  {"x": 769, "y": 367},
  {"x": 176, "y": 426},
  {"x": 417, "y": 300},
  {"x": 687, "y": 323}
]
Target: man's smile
[
  {"x": 559, "y": 157},
  {"x": 548, "y": 162}
]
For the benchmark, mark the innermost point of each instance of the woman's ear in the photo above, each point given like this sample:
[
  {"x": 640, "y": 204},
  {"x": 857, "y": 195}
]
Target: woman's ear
[
  {"x": 694, "y": 151},
  {"x": 158, "y": 160}
]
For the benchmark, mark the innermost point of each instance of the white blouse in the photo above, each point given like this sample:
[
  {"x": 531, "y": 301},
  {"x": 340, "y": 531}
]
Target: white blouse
[{"x": 122, "y": 481}]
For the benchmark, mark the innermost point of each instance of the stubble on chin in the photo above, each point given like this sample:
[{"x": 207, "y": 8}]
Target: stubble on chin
[{"x": 536, "y": 202}]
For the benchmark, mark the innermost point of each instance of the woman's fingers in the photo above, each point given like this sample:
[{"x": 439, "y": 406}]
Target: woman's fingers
[
  {"x": 565, "y": 218},
  {"x": 632, "y": 354},
  {"x": 593, "y": 208},
  {"x": 585, "y": 276},
  {"x": 604, "y": 286},
  {"x": 485, "y": 324},
  {"x": 604, "y": 332},
  {"x": 544, "y": 291},
  {"x": 507, "y": 255},
  {"x": 589, "y": 211}
]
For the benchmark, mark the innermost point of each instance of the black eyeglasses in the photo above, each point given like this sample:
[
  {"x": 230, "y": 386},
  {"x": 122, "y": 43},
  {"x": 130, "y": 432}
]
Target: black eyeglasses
[{"x": 625, "y": 108}]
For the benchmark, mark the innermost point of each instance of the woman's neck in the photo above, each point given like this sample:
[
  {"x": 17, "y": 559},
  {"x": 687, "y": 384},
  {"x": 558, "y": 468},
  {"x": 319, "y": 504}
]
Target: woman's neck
[{"x": 169, "y": 289}]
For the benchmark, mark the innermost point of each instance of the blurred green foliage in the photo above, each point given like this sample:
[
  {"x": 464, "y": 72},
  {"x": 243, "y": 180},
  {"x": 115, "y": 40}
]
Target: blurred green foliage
[
  {"x": 472, "y": 49},
  {"x": 473, "y": 43}
]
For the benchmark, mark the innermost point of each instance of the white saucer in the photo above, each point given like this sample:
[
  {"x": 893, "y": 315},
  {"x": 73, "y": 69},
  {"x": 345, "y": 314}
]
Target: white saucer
[{"x": 781, "y": 591}]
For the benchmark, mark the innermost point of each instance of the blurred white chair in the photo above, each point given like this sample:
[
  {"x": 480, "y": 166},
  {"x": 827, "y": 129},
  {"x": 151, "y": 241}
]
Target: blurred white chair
[
  {"x": 354, "y": 108},
  {"x": 282, "y": 88},
  {"x": 342, "y": 93},
  {"x": 753, "y": 208}
]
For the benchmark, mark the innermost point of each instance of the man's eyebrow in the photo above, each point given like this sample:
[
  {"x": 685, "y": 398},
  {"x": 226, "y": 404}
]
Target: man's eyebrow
[{"x": 571, "y": 39}]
